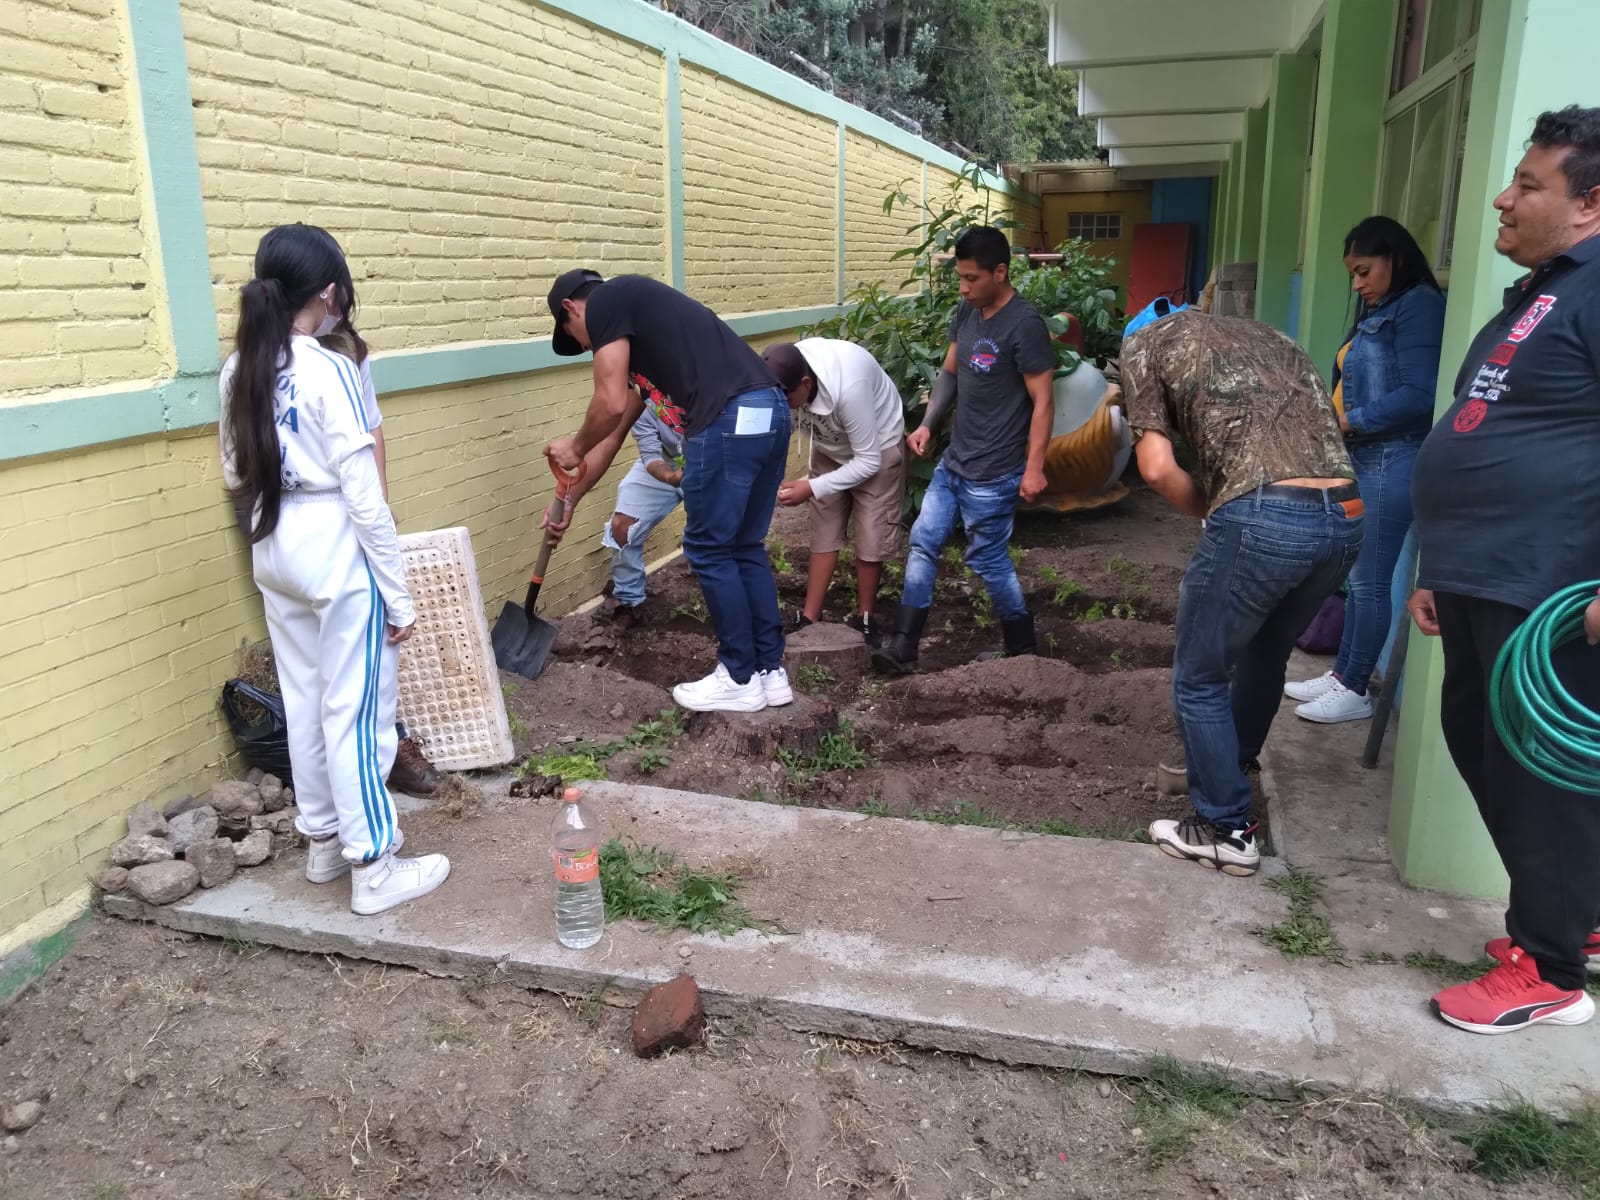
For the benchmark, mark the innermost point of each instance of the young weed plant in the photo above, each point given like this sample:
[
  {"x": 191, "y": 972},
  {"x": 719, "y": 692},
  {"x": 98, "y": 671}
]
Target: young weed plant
[
  {"x": 1306, "y": 932},
  {"x": 649, "y": 884}
]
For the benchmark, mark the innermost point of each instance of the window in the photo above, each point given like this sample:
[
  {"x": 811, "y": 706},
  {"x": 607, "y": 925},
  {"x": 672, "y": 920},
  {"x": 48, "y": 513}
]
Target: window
[
  {"x": 1425, "y": 121},
  {"x": 1095, "y": 226}
]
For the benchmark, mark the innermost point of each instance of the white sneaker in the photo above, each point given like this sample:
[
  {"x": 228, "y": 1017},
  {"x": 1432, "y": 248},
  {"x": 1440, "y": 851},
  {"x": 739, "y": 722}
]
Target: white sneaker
[
  {"x": 1309, "y": 689},
  {"x": 717, "y": 692},
  {"x": 775, "y": 685},
  {"x": 325, "y": 860},
  {"x": 391, "y": 880},
  {"x": 1338, "y": 703}
]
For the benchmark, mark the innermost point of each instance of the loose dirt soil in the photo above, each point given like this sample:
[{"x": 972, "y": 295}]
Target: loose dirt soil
[
  {"x": 174, "y": 1068},
  {"x": 1067, "y": 740}
]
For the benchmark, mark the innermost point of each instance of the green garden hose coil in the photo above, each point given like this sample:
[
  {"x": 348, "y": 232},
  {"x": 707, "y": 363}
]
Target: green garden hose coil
[{"x": 1545, "y": 728}]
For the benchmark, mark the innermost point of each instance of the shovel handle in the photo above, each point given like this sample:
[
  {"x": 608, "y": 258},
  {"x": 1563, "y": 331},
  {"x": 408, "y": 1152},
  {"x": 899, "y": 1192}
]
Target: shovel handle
[{"x": 565, "y": 481}]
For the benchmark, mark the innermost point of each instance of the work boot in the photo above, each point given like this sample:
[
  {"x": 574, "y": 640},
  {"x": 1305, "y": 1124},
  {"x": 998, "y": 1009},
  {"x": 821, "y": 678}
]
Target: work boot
[
  {"x": 1019, "y": 639},
  {"x": 869, "y": 629},
  {"x": 412, "y": 773},
  {"x": 899, "y": 654}
]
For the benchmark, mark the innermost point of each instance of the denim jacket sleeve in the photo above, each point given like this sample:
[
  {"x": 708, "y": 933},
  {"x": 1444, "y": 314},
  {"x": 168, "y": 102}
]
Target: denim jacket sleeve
[
  {"x": 648, "y": 437},
  {"x": 1418, "y": 332}
]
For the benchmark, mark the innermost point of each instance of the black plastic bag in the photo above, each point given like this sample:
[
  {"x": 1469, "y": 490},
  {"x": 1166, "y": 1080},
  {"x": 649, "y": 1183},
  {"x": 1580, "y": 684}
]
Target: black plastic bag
[{"x": 260, "y": 729}]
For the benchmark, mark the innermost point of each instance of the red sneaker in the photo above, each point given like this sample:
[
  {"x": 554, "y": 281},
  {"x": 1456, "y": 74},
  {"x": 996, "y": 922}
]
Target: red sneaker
[
  {"x": 1511, "y": 996},
  {"x": 1499, "y": 949}
]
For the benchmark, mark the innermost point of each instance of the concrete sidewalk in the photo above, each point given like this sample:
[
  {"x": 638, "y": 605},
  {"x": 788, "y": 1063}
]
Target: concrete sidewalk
[{"x": 1026, "y": 948}]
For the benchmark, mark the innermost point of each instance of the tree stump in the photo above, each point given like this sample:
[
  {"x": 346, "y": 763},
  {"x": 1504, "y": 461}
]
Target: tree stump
[
  {"x": 796, "y": 727},
  {"x": 839, "y": 648}
]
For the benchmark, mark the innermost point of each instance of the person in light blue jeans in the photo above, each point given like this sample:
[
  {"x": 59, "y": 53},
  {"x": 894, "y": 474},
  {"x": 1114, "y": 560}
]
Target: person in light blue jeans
[
  {"x": 646, "y": 496},
  {"x": 986, "y": 509},
  {"x": 1384, "y": 386}
]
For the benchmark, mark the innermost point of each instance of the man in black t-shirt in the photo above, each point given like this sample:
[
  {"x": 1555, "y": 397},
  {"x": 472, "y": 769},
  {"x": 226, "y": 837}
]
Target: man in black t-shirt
[
  {"x": 997, "y": 376},
  {"x": 736, "y": 422},
  {"x": 1507, "y": 496}
]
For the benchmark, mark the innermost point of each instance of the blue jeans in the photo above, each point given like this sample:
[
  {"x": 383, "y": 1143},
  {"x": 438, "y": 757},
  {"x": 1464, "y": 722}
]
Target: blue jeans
[
  {"x": 648, "y": 501},
  {"x": 730, "y": 488},
  {"x": 1383, "y": 469},
  {"x": 1405, "y": 578},
  {"x": 986, "y": 511},
  {"x": 1262, "y": 569}
]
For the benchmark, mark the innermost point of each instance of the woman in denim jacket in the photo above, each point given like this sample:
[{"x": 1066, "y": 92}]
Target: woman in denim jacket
[{"x": 1383, "y": 388}]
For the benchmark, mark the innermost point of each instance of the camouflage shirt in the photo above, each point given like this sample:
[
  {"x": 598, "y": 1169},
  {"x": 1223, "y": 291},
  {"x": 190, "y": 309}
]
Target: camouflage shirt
[{"x": 1243, "y": 397}]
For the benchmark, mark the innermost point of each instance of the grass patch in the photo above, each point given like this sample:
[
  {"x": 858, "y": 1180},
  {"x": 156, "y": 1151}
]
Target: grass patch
[
  {"x": 815, "y": 678},
  {"x": 965, "y": 812},
  {"x": 583, "y": 760},
  {"x": 571, "y": 767},
  {"x": 649, "y": 884},
  {"x": 1176, "y": 1102},
  {"x": 983, "y": 610},
  {"x": 1520, "y": 1141},
  {"x": 693, "y": 608},
  {"x": 1133, "y": 580},
  {"x": 1307, "y": 932},
  {"x": 837, "y": 751},
  {"x": 778, "y": 554}
]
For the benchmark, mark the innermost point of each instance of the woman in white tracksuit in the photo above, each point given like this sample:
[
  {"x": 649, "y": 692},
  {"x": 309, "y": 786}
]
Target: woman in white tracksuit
[{"x": 298, "y": 458}]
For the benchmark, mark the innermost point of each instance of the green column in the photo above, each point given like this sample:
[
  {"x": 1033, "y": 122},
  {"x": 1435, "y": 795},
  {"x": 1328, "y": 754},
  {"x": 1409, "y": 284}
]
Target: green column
[
  {"x": 1283, "y": 194},
  {"x": 1235, "y": 201},
  {"x": 1352, "y": 84},
  {"x": 1219, "y": 215},
  {"x": 1247, "y": 233},
  {"x": 1542, "y": 58}
]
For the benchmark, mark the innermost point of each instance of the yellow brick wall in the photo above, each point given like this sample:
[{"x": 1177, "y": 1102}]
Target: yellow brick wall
[
  {"x": 77, "y": 300},
  {"x": 760, "y": 199},
  {"x": 464, "y": 152},
  {"x": 872, "y": 172},
  {"x": 123, "y": 592}
]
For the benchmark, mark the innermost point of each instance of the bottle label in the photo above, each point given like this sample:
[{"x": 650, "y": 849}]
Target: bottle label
[{"x": 583, "y": 867}]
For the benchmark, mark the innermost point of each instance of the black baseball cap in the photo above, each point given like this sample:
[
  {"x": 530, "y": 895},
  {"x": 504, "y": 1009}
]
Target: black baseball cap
[
  {"x": 787, "y": 364},
  {"x": 562, "y": 342}
]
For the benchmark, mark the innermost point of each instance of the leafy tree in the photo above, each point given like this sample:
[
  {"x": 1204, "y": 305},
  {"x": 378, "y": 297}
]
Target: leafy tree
[{"x": 972, "y": 73}]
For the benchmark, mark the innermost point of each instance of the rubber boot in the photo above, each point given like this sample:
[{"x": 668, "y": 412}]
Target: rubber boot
[
  {"x": 898, "y": 655},
  {"x": 1019, "y": 639}
]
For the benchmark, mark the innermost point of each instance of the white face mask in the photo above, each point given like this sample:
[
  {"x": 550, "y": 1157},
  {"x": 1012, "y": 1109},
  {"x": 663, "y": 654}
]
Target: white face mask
[{"x": 330, "y": 319}]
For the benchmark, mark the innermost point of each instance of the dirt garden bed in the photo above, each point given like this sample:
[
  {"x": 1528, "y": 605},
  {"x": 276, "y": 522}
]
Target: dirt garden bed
[{"x": 1065, "y": 742}]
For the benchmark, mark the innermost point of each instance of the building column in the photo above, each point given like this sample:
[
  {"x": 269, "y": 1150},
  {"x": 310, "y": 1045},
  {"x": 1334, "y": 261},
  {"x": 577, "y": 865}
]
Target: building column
[
  {"x": 1352, "y": 86},
  {"x": 1247, "y": 231},
  {"x": 1235, "y": 201},
  {"x": 1288, "y": 142},
  {"x": 1218, "y": 240},
  {"x": 1537, "y": 55}
]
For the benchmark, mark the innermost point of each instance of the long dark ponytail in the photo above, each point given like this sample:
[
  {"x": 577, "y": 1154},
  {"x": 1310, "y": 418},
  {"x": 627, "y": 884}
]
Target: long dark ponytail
[{"x": 293, "y": 264}]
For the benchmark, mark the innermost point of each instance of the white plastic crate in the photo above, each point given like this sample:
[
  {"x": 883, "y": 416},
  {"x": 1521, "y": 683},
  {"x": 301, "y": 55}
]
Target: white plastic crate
[{"x": 450, "y": 698}]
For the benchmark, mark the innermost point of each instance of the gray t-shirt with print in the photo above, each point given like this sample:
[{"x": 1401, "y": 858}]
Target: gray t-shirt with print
[{"x": 993, "y": 408}]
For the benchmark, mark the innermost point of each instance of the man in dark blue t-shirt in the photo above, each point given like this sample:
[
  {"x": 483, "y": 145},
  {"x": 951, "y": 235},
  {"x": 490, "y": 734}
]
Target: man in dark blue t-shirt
[
  {"x": 997, "y": 376},
  {"x": 1507, "y": 496},
  {"x": 736, "y": 422}
]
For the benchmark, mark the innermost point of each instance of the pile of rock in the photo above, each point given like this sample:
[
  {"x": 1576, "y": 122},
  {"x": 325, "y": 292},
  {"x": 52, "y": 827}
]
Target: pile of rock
[{"x": 201, "y": 842}]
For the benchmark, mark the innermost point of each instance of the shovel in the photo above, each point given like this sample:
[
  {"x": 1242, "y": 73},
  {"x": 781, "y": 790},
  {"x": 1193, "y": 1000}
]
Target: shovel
[{"x": 521, "y": 640}]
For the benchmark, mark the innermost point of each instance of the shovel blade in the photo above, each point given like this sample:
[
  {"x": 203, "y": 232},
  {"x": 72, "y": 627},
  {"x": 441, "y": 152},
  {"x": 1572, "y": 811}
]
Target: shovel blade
[{"x": 522, "y": 644}]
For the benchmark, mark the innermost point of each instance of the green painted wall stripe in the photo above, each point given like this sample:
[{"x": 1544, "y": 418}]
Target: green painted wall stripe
[
  {"x": 675, "y": 166},
  {"x": 21, "y": 967},
  {"x": 1288, "y": 127},
  {"x": 190, "y": 402},
  {"x": 839, "y": 296},
  {"x": 162, "y": 71},
  {"x": 650, "y": 26}
]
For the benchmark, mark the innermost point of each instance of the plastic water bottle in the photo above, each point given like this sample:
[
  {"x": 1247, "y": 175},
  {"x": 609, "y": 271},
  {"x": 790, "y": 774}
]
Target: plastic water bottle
[{"x": 575, "y": 841}]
